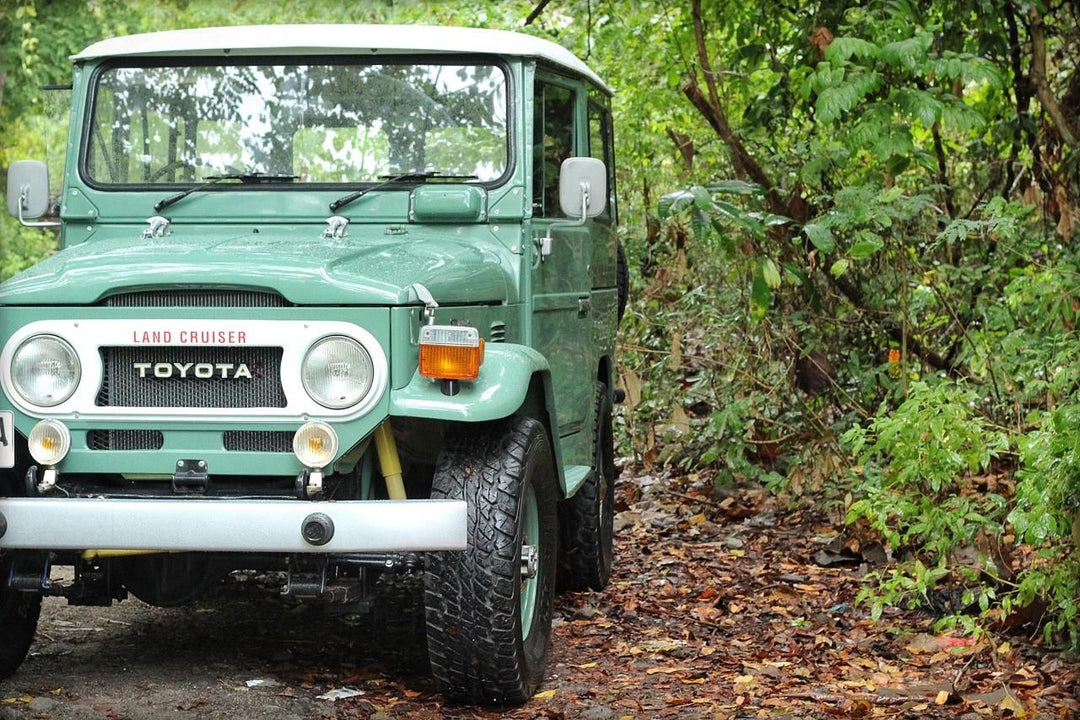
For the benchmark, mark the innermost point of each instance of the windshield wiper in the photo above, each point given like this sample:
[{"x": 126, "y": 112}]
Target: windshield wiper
[
  {"x": 419, "y": 177},
  {"x": 244, "y": 178}
]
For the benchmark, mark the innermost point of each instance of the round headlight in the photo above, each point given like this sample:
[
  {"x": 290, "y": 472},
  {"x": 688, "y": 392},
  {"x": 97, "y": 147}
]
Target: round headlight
[
  {"x": 315, "y": 444},
  {"x": 337, "y": 372},
  {"x": 49, "y": 442},
  {"x": 45, "y": 370}
]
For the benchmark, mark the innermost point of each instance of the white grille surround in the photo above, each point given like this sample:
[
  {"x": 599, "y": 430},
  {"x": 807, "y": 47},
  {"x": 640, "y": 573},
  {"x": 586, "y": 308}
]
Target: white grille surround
[{"x": 294, "y": 337}]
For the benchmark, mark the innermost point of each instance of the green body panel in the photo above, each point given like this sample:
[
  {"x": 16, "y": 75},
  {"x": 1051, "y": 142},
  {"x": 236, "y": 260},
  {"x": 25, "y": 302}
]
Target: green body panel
[
  {"x": 466, "y": 203},
  {"x": 368, "y": 267}
]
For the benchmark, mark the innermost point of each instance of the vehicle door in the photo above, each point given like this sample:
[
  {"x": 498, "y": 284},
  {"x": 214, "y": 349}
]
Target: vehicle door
[{"x": 562, "y": 318}]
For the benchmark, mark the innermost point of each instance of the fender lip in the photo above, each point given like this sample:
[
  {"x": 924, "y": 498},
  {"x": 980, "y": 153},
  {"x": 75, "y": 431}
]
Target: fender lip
[
  {"x": 497, "y": 393},
  {"x": 231, "y": 525}
]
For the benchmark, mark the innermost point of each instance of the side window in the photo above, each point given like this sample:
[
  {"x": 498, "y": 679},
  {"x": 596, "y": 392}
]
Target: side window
[
  {"x": 602, "y": 147},
  {"x": 553, "y": 138}
]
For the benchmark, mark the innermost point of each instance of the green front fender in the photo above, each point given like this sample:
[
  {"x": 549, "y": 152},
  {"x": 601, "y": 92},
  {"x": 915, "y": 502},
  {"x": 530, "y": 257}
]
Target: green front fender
[{"x": 500, "y": 390}]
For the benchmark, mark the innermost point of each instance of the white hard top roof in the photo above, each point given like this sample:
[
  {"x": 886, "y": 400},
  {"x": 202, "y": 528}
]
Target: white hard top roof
[{"x": 334, "y": 40}]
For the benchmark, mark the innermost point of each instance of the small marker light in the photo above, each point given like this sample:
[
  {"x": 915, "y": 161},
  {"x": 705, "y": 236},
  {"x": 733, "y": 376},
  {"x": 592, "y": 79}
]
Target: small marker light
[
  {"x": 449, "y": 352},
  {"x": 49, "y": 442},
  {"x": 315, "y": 444}
]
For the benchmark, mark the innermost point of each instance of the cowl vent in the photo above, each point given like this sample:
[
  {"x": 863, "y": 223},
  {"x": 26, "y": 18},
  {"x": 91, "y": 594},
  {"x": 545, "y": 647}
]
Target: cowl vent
[{"x": 196, "y": 298}]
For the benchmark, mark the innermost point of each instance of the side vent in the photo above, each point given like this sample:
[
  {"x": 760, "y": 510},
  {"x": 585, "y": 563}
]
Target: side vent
[
  {"x": 498, "y": 332},
  {"x": 125, "y": 439}
]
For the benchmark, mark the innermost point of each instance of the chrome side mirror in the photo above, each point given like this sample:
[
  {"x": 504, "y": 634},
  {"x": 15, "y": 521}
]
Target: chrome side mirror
[
  {"x": 28, "y": 191},
  {"x": 582, "y": 187}
]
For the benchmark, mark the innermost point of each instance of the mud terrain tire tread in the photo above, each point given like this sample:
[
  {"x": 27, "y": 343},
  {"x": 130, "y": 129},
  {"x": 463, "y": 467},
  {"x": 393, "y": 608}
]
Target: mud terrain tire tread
[
  {"x": 18, "y": 622},
  {"x": 472, "y": 597},
  {"x": 587, "y": 519},
  {"x": 622, "y": 279}
]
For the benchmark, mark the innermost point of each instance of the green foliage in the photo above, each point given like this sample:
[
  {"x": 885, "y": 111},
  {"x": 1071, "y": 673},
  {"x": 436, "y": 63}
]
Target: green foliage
[
  {"x": 1047, "y": 516},
  {"x": 914, "y": 460},
  {"x": 22, "y": 246},
  {"x": 915, "y": 463},
  {"x": 922, "y": 271}
]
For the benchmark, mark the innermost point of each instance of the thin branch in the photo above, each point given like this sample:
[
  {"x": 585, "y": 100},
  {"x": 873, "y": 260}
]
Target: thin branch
[
  {"x": 536, "y": 11},
  {"x": 685, "y": 146},
  {"x": 1037, "y": 30},
  {"x": 744, "y": 163},
  {"x": 855, "y": 296},
  {"x": 703, "y": 55},
  {"x": 943, "y": 175}
]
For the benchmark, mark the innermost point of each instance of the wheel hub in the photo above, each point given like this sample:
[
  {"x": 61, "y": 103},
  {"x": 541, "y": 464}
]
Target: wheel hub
[{"x": 530, "y": 562}]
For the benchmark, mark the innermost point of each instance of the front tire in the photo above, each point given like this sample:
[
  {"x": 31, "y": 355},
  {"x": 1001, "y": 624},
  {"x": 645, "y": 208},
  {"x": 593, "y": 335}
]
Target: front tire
[
  {"x": 489, "y": 607},
  {"x": 19, "y": 613}
]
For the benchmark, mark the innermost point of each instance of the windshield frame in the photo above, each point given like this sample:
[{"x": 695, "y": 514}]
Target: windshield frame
[{"x": 459, "y": 59}]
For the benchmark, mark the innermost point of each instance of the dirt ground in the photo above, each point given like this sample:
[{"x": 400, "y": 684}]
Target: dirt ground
[{"x": 718, "y": 609}]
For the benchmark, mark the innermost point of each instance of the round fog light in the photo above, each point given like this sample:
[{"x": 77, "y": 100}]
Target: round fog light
[
  {"x": 315, "y": 444},
  {"x": 49, "y": 442}
]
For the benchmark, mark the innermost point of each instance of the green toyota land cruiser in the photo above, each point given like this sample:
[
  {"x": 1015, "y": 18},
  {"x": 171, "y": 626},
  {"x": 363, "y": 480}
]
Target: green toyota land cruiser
[{"x": 329, "y": 300}]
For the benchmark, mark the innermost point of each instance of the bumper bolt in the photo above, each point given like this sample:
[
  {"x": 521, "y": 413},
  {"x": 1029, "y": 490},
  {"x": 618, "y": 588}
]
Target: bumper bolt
[{"x": 317, "y": 529}]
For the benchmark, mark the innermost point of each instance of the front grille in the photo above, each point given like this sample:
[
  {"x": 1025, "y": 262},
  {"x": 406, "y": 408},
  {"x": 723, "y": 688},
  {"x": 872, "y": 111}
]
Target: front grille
[
  {"x": 275, "y": 441},
  {"x": 123, "y": 386},
  {"x": 196, "y": 298},
  {"x": 125, "y": 439},
  {"x": 498, "y": 331}
]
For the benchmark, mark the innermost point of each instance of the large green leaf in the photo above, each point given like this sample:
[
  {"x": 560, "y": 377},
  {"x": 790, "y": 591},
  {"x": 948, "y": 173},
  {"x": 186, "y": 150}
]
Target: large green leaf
[
  {"x": 820, "y": 236},
  {"x": 737, "y": 187},
  {"x": 760, "y": 294},
  {"x": 674, "y": 202},
  {"x": 770, "y": 273},
  {"x": 867, "y": 244},
  {"x": 844, "y": 48}
]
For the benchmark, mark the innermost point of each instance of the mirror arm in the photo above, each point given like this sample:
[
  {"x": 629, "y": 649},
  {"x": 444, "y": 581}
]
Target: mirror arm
[
  {"x": 24, "y": 192},
  {"x": 545, "y": 242}
]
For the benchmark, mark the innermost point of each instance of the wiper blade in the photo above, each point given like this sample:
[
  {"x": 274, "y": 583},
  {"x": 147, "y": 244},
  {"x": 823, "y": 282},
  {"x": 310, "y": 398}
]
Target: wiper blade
[
  {"x": 391, "y": 179},
  {"x": 244, "y": 178}
]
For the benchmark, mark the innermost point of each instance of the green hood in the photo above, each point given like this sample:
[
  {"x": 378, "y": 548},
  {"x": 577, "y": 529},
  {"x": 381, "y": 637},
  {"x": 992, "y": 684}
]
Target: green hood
[{"x": 366, "y": 268}]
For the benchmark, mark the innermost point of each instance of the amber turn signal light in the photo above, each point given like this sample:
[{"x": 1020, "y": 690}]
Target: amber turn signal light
[{"x": 448, "y": 352}]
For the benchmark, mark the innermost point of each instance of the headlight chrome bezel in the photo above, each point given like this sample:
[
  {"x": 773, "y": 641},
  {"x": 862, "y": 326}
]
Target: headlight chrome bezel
[
  {"x": 72, "y": 358},
  {"x": 325, "y": 400}
]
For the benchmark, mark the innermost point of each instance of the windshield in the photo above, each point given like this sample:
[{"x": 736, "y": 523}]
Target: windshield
[{"x": 332, "y": 122}]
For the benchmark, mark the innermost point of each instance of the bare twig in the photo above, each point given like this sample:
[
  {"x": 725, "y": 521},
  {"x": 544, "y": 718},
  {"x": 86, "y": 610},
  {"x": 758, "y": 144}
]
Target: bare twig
[
  {"x": 1045, "y": 93},
  {"x": 838, "y": 699},
  {"x": 536, "y": 11},
  {"x": 692, "y": 498}
]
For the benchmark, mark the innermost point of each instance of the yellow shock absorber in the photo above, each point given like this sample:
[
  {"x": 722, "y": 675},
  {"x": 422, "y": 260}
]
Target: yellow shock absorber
[{"x": 389, "y": 463}]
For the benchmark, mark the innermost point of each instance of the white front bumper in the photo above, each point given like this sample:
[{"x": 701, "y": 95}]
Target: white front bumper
[{"x": 227, "y": 525}]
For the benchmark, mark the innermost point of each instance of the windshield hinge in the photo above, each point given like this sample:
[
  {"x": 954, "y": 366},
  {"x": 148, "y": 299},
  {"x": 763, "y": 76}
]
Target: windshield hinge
[
  {"x": 430, "y": 306},
  {"x": 159, "y": 227},
  {"x": 335, "y": 226}
]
